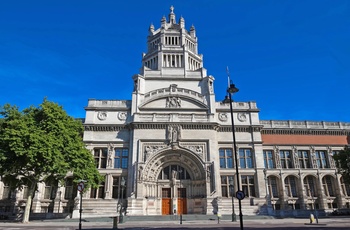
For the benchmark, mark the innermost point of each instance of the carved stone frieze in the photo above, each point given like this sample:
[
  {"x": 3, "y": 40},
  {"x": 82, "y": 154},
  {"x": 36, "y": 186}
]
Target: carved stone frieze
[
  {"x": 197, "y": 148},
  {"x": 242, "y": 117},
  {"x": 102, "y": 115},
  {"x": 222, "y": 116},
  {"x": 122, "y": 116},
  {"x": 152, "y": 148}
]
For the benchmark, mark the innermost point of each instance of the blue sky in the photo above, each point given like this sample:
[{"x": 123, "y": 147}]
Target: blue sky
[{"x": 290, "y": 56}]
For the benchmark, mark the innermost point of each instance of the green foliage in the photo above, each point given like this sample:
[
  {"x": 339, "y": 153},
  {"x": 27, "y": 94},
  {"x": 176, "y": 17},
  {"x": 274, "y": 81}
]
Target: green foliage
[
  {"x": 342, "y": 160},
  {"x": 41, "y": 142}
]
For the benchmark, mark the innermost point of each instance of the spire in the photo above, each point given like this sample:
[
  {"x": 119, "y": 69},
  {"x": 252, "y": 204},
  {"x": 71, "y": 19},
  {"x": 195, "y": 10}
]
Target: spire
[
  {"x": 172, "y": 16},
  {"x": 163, "y": 22},
  {"x": 193, "y": 31},
  {"x": 151, "y": 28},
  {"x": 182, "y": 22}
]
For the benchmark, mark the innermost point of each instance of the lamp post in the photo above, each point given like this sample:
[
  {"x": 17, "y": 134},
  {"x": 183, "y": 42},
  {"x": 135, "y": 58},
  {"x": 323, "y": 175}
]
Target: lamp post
[
  {"x": 228, "y": 99},
  {"x": 122, "y": 184},
  {"x": 268, "y": 197},
  {"x": 233, "y": 205},
  {"x": 180, "y": 195}
]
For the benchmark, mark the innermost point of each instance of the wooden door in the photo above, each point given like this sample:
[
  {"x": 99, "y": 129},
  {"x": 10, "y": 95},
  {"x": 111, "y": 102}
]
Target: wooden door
[
  {"x": 181, "y": 201},
  {"x": 166, "y": 201}
]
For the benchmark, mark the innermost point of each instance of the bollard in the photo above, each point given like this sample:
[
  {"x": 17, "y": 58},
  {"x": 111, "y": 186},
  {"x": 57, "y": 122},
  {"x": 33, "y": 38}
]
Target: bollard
[
  {"x": 115, "y": 222},
  {"x": 312, "y": 218},
  {"x": 219, "y": 216}
]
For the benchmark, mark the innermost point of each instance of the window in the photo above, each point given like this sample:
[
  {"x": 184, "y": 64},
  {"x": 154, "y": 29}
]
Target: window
[
  {"x": 321, "y": 159},
  {"x": 226, "y": 158},
  {"x": 98, "y": 192},
  {"x": 290, "y": 186},
  {"x": 248, "y": 186},
  {"x": 226, "y": 189},
  {"x": 269, "y": 159},
  {"x": 286, "y": 160},
  {"x": 50, "y": 190},
  {"x": 272, "y": 184},
  {"x": 70, "y": 192},
  {"x": 174, "y": 171},
  {"x": 345, "y": 187},
  {"x": 328, "y": 186},
  {"x": 7, "y": 193},
  {"x": 304, "y": 159},
  {"x": 245, "y": 158},
  {"x": 309, "y": 185},
  {"x": 121, "y": 158},
  {"x": 100, "y": 156},
  {"x": 118, "y": 188}
]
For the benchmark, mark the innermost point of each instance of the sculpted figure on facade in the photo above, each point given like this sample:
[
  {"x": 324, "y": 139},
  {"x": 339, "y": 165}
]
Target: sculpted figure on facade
[
  {"x": 330, "y": 157},
  {"x": 295, "y": 157},
  {"x": 173, "y": 133},
  {"x": 277, "y": 156},
  {"x": 173, "y": 102},
  {"x": 313, "y": 157},
  {"x": 110, "y": 154}
]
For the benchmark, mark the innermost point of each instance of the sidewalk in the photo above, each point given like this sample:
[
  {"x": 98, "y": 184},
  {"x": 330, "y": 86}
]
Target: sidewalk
[{"x": 107, "y": 223}]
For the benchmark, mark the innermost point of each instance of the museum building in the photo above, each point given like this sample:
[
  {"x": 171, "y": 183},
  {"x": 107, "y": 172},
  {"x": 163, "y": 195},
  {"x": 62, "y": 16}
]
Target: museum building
[{"x": 170, "y": 149}]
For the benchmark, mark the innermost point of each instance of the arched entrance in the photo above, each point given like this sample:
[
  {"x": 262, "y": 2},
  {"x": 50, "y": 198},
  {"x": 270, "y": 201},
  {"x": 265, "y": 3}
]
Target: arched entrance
[{"x": 176, "y": 180}]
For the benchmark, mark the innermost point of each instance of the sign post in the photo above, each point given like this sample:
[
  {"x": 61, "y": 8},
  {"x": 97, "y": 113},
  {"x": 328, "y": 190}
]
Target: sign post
[{"x": 81, "y": 187}]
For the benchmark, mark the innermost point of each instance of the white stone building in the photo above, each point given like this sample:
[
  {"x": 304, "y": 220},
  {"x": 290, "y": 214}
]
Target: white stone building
[{"x": 172, "y": 146}]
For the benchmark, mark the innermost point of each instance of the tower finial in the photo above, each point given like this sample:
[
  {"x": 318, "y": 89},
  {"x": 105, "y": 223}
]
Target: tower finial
[{"x": 172, "y": 15}]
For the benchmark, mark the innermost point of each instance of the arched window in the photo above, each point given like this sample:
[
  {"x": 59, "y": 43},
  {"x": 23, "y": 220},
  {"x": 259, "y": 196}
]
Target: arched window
[
  {"x": 174, "y": 171},
  {"x": 345, "y": 187},
  {"x": 328, "y": 186},
  {"x": 309, "y": 185},
  {"x": 290, "y": 186}
]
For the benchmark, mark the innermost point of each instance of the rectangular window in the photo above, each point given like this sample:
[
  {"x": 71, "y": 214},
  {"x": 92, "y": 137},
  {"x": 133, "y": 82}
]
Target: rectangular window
[
  {"x": 121, "y": 158},
  {"x": 286, "y": 159},
  {"x": 245, "y": 158},
  {"x": 321, "y": 159},
  {"x": 304, "y": 159},
  {"x": 226, "y": 158},
  {"x": 269, "y": 161},
  {"x": 98, "y": 192},
  {"x": 70, "y": 192},
  {"x": 118, "y": 188},
  {"x": 6, "y": 194},
  {"x": 248, "y": 186},
  {"x": 100, "y": 155},
  {"x": 226, "y": 188}
]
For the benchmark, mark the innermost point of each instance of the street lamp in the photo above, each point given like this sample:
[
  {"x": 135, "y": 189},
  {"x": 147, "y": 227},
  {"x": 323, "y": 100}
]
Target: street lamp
[
  {"x": 268, "y": 197},
  {"x": 180, "y": 195},
  {"x": 228, "y": 99},
  {"x": 233, "y": 205}
]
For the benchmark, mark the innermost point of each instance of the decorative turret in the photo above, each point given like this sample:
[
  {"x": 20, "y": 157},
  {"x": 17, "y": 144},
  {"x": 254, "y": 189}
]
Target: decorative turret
[
  {"x": 193, "y": 31},
  {"x": 172, "y": 47},
  {"x": 182, "y": 22}
]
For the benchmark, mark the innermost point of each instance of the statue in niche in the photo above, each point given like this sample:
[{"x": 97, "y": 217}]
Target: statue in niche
[
  {"x": 110, "y": 154},
  {"x": 174, "y": 133},
  {"x": 140, "y": 172}
]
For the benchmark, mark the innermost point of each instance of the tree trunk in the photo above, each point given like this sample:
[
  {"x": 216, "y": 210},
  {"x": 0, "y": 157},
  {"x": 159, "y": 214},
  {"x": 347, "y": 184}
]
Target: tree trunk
[{"x": 29, "y": 203}]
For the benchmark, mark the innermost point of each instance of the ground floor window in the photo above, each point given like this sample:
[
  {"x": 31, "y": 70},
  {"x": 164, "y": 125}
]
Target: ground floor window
[
  {"x": 118, "y": 187},
  {"x": 98, "y": 192},
  {"x": 248, "y": 186},
  {"x": 226, "y": 188}
]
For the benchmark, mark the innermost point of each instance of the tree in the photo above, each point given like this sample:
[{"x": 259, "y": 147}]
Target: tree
[
  {"x": 41, "y": 142},
  {"x": 342, "y": 159}
]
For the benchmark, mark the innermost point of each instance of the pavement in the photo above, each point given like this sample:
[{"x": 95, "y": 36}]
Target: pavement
[{"x": 107, "y": 223}]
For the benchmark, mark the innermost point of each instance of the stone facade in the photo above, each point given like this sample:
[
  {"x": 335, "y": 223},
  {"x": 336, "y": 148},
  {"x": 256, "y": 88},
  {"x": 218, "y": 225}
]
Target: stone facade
[{"x": 170, "y": 148}]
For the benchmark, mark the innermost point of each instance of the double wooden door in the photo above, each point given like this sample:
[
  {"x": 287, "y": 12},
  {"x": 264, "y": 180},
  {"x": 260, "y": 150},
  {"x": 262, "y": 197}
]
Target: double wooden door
[{"x": 167, "y": 201}]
